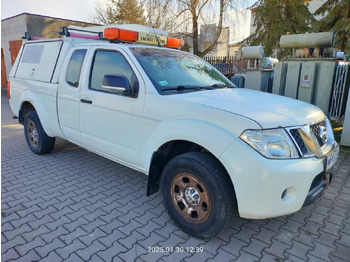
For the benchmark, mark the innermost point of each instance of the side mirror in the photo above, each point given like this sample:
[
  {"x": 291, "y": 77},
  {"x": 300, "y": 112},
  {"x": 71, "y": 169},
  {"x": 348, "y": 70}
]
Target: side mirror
[{"x": 117, "y": 84}]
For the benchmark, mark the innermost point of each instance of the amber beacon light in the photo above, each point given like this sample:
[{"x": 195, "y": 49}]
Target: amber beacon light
[{"x": 140, "y": 38}]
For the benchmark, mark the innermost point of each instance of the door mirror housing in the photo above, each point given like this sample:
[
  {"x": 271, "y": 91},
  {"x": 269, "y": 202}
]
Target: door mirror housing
[{"x": 117, "y": 84}]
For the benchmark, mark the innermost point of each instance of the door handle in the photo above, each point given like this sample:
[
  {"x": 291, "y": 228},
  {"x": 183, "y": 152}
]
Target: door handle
[{"x": 86, "y": 101}]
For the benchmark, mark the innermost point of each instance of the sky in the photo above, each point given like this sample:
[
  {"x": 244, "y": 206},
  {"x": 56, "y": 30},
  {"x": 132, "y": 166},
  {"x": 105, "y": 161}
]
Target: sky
[{"x": 80, "y": 10}]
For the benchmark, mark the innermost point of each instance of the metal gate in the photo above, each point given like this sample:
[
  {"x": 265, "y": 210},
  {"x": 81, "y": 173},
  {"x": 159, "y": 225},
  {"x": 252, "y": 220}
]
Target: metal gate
[
  {"x": 3, "y": 70},
  {"x": 340, "y": 92},
  {"x": 227, "y": 65}
]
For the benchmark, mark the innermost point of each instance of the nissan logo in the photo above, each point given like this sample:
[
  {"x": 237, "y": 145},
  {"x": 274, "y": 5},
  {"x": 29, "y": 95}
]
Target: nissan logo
[{"x": 323, "y": 134}]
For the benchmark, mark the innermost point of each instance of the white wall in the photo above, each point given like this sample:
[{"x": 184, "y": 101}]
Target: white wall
[
  {"x": 11, "y": 29},
  {"x": 345, "y": 136},
  {"x": 207, "y": 37}
]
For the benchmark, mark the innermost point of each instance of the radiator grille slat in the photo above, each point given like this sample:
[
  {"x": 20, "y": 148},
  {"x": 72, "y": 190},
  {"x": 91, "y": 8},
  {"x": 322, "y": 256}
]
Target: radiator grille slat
[
  {"x": 298, "y": 139},
  {"x": 316, "y": 130}
]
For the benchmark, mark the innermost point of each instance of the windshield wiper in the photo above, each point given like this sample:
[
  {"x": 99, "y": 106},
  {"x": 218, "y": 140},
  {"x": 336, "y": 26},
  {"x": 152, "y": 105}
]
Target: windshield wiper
[
  {"x": 221, "y": 86},
  {"x": 186, "y": 87}
]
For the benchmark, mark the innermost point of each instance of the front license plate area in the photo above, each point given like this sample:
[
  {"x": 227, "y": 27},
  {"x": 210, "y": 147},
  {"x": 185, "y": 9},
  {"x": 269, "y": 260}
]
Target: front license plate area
[{"x": 332, "y": 158}]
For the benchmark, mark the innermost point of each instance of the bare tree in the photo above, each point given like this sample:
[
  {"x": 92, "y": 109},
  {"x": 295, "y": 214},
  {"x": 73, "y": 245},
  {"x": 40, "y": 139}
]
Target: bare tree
[
  {"x": 158, "y": 14},
  {"x": 175, "y": 16},
  {"x": 196, "y": 12},
  {"x": 103, "y": 13}
]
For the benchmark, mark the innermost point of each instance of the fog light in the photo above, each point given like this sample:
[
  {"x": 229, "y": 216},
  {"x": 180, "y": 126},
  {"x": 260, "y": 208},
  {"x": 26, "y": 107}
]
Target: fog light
[
  {"x": 288, "y": 195},
  {"x": 284, "y": 193}
]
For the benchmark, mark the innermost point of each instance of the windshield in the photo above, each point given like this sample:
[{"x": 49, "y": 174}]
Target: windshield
[{"x": 172, "y": 71}]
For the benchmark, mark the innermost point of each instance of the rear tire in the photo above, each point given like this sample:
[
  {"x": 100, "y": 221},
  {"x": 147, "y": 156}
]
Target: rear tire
[
  {"x": 38, "y": 141},
  {"x": 197, "y": 194}
]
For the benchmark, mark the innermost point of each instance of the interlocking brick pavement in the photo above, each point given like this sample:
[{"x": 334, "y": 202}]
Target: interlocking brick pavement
[{"x": 73, "y": 205}]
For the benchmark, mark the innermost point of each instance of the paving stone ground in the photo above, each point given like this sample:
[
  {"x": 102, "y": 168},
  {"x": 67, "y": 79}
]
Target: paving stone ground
[{"x": 73, "y": 205}]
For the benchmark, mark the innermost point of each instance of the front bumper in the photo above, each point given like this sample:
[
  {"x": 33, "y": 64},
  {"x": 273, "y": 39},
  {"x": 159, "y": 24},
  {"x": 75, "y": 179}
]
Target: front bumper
[
  {"x": 318, "y": 185},
  {"x": 268, "y": 188}
]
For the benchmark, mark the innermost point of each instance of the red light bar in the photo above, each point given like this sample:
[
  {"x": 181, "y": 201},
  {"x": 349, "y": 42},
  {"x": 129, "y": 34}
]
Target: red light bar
[
  {"x": 128, "y": 35},
  {"x": 139, "y": 37},
  {"x": 120, "y": 34}
]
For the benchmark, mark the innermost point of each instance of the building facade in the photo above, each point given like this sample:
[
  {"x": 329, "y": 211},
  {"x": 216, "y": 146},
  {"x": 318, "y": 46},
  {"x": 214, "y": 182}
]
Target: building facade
[{"x": 13, "y": 29}]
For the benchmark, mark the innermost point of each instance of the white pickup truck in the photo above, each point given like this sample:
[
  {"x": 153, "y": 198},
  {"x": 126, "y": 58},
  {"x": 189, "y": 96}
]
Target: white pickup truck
[{"x": 213, "y": 150}]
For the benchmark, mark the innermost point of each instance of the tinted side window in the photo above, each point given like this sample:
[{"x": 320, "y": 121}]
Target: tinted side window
[
  {"x": 74, "y": 67},
  {"x": 108, "y": 63},
  {"x": 32, "y": 54}
]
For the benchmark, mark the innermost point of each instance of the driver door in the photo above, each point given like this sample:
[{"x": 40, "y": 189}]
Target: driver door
[{"x": 110, "y": 123}]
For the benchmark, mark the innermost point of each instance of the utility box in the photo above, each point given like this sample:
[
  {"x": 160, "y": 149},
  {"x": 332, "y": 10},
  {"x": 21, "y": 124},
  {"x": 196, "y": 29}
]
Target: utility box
[
  {"x": 253, "y": 79},
  {"x": 238, "y": 80},
  {"x": 307, "y": 82},
  {"x": 292, "y": 80},
  {"x": 260, "y": 80},
  {"x": 324, "y": 81},
  {"x": 266, "y": 80},
  {"x": 279, "y": 80}
]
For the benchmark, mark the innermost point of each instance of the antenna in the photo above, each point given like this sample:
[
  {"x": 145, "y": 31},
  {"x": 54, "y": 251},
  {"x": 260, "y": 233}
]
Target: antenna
[{"x": 154, "y": 31}]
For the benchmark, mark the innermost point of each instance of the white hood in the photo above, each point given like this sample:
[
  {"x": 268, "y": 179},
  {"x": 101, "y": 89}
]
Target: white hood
[{"x": 267, "y": 110}]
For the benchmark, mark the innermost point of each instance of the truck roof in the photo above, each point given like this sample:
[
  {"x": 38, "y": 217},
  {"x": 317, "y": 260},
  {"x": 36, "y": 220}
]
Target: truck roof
[{"x": 41, "y": 60}]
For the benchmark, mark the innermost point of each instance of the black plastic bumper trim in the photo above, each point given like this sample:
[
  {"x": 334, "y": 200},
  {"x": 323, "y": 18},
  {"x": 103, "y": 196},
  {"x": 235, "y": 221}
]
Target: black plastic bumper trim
[
  {"x": 317, "y": 190},
  {"x": 314, "y": 193}
]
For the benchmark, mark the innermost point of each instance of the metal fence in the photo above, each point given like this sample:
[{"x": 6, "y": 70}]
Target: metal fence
[
  {"x": 341, "y": 85},
  {"x": 227, "y": 65}
]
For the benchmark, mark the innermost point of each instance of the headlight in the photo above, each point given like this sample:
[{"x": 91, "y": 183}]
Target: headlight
[{"x": 271, "y": 143}]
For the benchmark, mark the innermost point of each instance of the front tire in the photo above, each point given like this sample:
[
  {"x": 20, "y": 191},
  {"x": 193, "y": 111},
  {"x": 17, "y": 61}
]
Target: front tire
[
  {"x": 38, "y": 141},
  {"x": 197, "y": 194}
]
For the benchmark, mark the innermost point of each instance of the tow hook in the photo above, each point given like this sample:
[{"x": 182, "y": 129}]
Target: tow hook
[{"x": 327, "y": 178}]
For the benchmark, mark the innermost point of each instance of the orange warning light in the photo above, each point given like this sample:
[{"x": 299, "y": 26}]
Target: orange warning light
[
  {"x": 173, "y": 42},
  {"x": 120, "y": 34}
]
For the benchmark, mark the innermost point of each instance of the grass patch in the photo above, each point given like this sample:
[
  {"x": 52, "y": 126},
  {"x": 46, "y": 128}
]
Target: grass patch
[{"x": 337, "y": 127}]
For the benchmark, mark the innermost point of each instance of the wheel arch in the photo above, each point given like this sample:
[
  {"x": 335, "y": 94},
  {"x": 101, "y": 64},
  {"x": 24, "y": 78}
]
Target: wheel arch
[
  {"x": 25, "y": 108},
  {"x": 178, "y": 136},
  {"x": 30, "y": 101},
  {"x": 170, "y": 150}
]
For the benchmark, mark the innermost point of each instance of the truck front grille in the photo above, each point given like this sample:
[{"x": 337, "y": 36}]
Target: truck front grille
[
  {"x": 313, "y": 140},
  {"x": 316, "y": 129},
  {"x": 299, "y": 140}
]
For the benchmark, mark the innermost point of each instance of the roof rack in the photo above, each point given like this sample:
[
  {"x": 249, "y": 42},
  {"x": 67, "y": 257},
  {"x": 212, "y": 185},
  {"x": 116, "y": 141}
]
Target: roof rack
[
  {"x": 87, "y": 34},
  {"x": 27, "y": 36},
  {"x": 119, "y": 34},
  {"x": 123, "y": 33}
]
